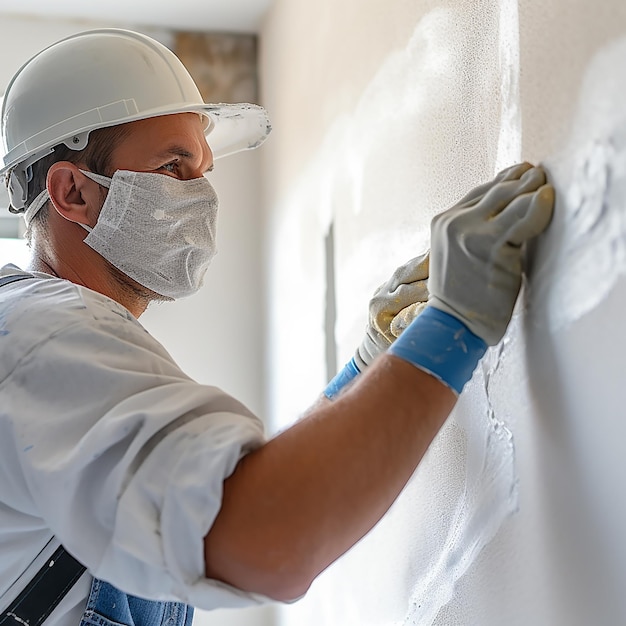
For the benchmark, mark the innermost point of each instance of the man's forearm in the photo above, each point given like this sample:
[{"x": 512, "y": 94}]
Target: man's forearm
[
  {"x": 294, "y": 506},
  {"x": 297, "y": 504}
]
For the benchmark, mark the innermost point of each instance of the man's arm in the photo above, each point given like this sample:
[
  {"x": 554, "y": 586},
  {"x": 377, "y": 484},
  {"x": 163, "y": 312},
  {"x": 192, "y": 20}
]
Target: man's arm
[{"x": 295, "y": 505}]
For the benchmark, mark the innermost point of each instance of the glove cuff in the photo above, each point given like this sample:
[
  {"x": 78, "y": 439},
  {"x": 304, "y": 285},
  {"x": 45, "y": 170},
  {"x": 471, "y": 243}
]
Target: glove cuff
[
  {"x": 438, "y": 343},
  {"x": 345, "y": 376}
]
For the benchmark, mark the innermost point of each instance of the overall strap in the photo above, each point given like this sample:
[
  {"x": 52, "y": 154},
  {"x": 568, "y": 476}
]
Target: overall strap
[
  {"x": 44, "y": 592},
  {"x": 6, "y": 280}
]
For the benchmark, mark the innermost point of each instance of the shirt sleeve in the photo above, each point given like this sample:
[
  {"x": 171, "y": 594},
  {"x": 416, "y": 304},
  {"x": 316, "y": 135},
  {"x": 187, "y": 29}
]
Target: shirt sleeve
[{"x": 124, "y": 456}]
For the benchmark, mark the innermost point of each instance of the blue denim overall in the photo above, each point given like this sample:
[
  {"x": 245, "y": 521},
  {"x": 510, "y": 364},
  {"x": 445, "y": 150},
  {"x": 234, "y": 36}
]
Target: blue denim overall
[{"x": 108, "y": 606}]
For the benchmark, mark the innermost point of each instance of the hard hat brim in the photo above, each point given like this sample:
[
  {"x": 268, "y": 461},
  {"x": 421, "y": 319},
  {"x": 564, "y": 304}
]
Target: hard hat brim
[{"x": 230, "y": 128}]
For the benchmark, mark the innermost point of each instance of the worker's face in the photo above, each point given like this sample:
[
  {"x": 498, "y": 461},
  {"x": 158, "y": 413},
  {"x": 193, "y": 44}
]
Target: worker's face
[
  {"x": 174, "y": 145},
  {"x": 170, "y": 222}
]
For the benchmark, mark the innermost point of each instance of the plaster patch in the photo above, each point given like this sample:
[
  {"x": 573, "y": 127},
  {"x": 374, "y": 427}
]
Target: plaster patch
[
  {"x": 510, "y": 135},
  {"x": 582, "y": 255}
]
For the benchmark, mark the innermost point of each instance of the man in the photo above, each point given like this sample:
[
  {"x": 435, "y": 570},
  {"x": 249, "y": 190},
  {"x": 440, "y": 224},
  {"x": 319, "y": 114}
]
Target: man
[{"x": 163, "y": 488}]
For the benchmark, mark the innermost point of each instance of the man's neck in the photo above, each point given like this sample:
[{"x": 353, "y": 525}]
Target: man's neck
[{"x": 111, "y": 282}]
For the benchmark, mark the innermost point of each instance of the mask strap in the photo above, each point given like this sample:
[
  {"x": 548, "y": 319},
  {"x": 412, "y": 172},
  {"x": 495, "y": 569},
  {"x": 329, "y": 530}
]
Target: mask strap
[
  {"x": 105, "y": 181},
  {"x": 35, "y": 206}
]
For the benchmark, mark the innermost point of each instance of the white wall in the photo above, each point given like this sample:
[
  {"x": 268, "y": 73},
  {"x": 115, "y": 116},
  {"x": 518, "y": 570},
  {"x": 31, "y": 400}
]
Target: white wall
[{"x": 385, "y": 112}]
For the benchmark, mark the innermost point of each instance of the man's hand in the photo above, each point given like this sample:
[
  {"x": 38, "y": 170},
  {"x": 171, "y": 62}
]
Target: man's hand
[
  {"x": 476, "y": 249},
  {"x": 475, "y": 267},
  {"x": 394, "y": 305},
  {"x": 355, "y": 455}
]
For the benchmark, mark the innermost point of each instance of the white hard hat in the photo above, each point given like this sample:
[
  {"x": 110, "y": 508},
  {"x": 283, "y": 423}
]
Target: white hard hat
[{"x": 102, "y": 78}]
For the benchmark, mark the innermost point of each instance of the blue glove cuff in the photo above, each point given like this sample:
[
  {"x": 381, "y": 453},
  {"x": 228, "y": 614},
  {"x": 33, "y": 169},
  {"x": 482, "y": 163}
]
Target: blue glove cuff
[
  {"x": 441, "y": 345},
  {"x": 345, "y": 376}
]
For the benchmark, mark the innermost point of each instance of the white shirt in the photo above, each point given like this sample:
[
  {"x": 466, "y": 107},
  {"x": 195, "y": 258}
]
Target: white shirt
[{"x": 106, "y": 444}]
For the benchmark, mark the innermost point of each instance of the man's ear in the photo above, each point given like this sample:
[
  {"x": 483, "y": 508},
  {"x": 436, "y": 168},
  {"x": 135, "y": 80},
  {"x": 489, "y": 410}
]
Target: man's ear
[{"x": 74, "y": 196}]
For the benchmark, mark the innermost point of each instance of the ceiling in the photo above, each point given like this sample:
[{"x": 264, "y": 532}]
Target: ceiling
[{"x": 191, "y": 15}]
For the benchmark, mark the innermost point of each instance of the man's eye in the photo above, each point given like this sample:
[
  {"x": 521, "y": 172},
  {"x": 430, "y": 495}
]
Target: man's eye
[{"x": 169, "y": 167}]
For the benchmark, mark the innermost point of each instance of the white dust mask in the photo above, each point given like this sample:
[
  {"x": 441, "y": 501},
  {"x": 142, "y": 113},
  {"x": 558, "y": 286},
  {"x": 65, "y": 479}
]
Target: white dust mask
[{"x": 157, "y": 229}]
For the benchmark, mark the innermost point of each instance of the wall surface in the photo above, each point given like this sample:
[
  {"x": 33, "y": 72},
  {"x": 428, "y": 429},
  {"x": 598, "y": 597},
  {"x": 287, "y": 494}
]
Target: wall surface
[{"x": 385, "y": 113}]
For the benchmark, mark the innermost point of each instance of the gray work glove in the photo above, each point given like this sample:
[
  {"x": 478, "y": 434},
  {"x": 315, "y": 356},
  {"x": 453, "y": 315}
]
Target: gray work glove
[
  {"x": 394, "y": 305},
  {"x": 476, "y": 248}
]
